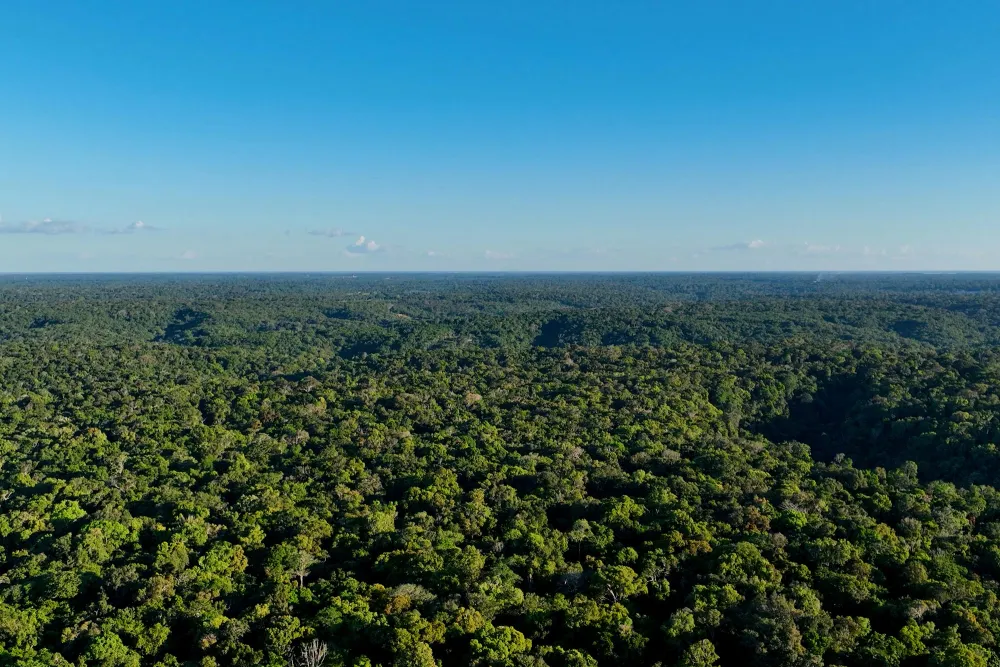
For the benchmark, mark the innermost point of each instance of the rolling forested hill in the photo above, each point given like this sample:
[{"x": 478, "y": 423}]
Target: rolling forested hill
[{"x": 562, "y": 470}]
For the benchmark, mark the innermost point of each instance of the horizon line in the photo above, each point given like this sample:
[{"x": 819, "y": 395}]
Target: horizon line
[{"x": 233, "y": 272}]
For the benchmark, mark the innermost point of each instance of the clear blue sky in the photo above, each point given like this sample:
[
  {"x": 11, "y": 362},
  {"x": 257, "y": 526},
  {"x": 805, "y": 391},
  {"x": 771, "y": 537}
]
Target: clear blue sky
[{"x": 253, "y": 135}]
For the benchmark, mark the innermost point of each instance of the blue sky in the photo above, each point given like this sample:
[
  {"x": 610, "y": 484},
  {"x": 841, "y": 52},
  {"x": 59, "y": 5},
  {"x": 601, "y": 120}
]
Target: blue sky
[{"x": 709, "y": 135}]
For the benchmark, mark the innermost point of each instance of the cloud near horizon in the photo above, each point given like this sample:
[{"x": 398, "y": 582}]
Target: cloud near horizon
[
  {"x": 748, "y": 245},
  {"x": 133, "y": 227},
  {"x": 363, "y": 246},
  {"x": 334, "y": 233},
  {"x": 815, "y": 248},
  {"x": 45, "y": 226},
  {"x": 52, "y": 227}
]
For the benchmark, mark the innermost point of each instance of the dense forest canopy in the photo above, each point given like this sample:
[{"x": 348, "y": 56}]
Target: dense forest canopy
[{"x": 564, "y": 470}]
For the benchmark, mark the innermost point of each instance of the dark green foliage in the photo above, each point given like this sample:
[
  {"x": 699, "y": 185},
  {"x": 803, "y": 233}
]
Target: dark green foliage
[{"x": 551, "y": 470}]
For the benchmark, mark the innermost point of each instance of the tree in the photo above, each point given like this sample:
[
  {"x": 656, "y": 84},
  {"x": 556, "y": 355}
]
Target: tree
[
  {"x": 309, "y": 654},
  {"x": 700, "y": 654}
]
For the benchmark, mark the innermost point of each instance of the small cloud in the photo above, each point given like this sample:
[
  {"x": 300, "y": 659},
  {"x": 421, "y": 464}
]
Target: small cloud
[
  {"x": 45, "y": 226},
  {"x": 494, "y": 254},
  {"x": 748, "y": 245},
  {"x": 140, "y": 226},
  {"x": 814, "y": 248},
  {"x": 189, "y": 255},
  {"x": 433, "y": 253},
  {"x": 53, "y": 227},
  {"x": 363, "y": 246},
  {"x": 133, "y": 227},
  {"x": 330, "y": 233}
]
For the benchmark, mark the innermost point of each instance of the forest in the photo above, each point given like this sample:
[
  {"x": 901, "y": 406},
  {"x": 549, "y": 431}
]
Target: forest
[{"x": 564, "y": 470}]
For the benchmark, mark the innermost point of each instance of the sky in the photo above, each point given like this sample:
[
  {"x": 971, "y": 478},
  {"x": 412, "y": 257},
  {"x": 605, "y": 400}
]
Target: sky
[{"x": 258, "y": 135}]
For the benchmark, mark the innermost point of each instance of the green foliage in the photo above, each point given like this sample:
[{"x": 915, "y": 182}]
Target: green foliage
[
  {"x": 700, "y": 654},
  {"x": 567, "y": 471}
]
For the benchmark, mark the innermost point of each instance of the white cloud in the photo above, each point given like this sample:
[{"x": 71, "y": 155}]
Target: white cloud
[
  {"x": 133, "y": 227},
  {"x": 814, "y": 248},
  {"x": 363, "y": 246},
  {"x": 494, "y": 254},
  {"x": 748, "y": 245},
  {"x": 189, "y": 255},
  {"x": 334, "y": 233},
  {"x": 45, "y": 226},
  {"x": 140, "y": 226},
  {"x": 434, "y": 253},
  {"x": 53, "y": 227}
]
